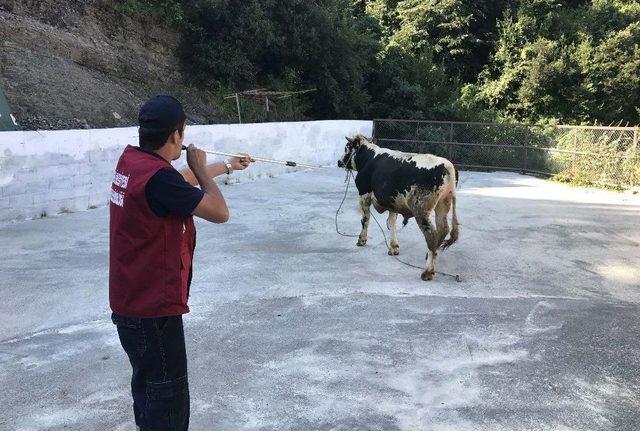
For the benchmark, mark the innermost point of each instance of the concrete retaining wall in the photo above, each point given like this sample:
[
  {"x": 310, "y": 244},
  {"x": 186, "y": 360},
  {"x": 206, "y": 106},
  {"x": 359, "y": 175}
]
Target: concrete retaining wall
[{"x": 49, "y": 172}]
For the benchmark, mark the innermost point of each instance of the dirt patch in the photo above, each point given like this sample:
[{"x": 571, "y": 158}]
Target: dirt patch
[{"x": 80, "y": 64}]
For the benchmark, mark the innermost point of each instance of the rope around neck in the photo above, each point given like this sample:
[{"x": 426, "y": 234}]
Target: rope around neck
[{"x": 384, "y": 235}]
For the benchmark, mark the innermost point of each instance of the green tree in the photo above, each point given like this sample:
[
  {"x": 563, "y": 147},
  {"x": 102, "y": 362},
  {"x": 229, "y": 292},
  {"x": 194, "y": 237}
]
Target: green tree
[
  {"x": 403, "y": 86},
  {"x": 443, "y": 27},
  {"x": 245, "y": 43},
  {"x": 384, "y": 11},
  {"x": 534, "y": 60},
  {"x": 574, "y": 64},
  {"x": 611, "y": 77}
]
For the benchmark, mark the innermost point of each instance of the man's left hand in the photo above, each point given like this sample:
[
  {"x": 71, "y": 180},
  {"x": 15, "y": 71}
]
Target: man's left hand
[{"x": 240, "y": 163}]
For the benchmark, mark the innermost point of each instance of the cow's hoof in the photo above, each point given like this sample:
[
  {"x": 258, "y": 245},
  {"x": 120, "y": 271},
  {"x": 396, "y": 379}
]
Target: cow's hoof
[
  {"x": 427, "y": 275},
  {"x": 361, "y": 243},
  {"x": 394, "y": 251}
]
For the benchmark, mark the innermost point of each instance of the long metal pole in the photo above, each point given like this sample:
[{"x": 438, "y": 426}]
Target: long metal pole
[
  {"x": 238, "y": 106},
  {"x": 262, "y": 159}
]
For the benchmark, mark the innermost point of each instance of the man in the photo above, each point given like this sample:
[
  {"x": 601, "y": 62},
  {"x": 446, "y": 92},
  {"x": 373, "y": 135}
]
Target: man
[{"x": 152, "y": 239}]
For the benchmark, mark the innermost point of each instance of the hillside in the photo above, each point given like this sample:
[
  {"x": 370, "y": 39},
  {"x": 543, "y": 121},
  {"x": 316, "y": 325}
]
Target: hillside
[
  {"x": 90, "y": 63},
  {"x": 81, "y": 64}
]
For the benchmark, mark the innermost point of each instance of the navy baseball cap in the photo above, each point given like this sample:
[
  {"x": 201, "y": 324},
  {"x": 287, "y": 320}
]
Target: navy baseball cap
[{"x": 161, "y": 113}]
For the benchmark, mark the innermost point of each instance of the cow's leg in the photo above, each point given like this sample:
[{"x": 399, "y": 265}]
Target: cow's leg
[
  {"x": 455, "y": 225},
  {"x": 430, "y": 234},
  {"x": 394, "y": 248},
  {"x": 365, "y": 203},
  {"x": 442, "y": 225}
]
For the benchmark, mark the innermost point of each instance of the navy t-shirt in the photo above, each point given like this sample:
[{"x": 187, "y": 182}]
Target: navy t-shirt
[{"x": 168, "y": 193}]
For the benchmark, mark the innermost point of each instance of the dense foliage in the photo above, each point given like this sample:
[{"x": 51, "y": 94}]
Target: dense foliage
[{"x": 536, "y": 60}]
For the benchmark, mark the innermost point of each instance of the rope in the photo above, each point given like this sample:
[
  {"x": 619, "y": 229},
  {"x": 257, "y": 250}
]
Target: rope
[
  {"x": 384, "y": 235},
  {"x": 347, "y": 180}
]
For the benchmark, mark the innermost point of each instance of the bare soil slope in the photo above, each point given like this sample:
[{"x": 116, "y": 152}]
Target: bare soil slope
[{"x": 80, "y": 64}]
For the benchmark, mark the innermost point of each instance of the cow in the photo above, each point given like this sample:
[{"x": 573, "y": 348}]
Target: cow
[{"x": 413, "y": 185}]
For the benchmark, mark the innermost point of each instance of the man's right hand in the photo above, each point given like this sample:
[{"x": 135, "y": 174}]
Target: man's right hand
[
  {"x": 196, "y": 159},
  {"x": 212, "y": 207}
]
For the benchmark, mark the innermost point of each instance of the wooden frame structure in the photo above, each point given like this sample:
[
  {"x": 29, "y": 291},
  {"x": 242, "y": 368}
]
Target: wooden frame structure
[{"x": 263, "y": 92}]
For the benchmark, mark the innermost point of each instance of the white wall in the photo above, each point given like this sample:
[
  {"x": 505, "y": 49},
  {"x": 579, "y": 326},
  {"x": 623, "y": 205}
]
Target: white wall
[{"x": 48, "y": 172}]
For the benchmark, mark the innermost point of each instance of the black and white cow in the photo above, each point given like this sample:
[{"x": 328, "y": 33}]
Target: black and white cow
[{"x": 414, "y": 185}]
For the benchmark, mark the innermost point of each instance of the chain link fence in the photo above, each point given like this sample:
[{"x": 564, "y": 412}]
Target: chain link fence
[{"x": 584, "y": 155}]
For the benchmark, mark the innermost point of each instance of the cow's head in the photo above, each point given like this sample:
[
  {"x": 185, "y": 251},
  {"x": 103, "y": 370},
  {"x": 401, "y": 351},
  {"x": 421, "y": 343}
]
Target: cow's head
[{"x": 350, "y": 150}]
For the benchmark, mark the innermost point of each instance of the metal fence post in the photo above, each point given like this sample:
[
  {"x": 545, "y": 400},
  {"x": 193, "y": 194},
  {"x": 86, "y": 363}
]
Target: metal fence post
[
  {"x": 525, "y": 144},
  {"x": 451, "y": 142},
  {"x": 238, "y": 106},
  {"x": 574, "y": 154},
  {"x": 373, "y": 132},
  {"x": 634, "y": 157}
]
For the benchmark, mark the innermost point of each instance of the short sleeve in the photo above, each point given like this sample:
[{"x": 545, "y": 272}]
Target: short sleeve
[{"x": 168, "y": 193}]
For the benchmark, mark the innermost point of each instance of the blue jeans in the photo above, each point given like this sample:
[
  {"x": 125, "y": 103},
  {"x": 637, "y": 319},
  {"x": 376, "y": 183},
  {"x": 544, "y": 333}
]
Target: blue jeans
[{"x": 159, "y": 383}]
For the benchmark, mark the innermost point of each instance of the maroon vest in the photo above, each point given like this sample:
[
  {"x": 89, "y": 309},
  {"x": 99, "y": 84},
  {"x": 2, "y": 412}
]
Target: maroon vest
[{"x": 150, "y": 257}]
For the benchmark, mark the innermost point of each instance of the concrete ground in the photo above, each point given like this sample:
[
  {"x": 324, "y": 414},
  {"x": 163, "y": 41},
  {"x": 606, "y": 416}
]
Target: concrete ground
[{"x": 294, "y": 328}]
